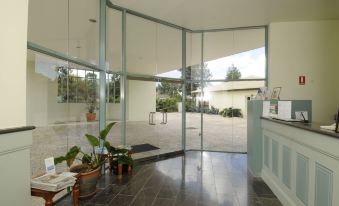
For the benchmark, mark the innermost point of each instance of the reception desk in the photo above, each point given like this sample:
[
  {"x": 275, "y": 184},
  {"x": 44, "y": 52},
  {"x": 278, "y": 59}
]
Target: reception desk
[
  {"x": 15, "y": 174},
  {"x": 300, "y": 162}
]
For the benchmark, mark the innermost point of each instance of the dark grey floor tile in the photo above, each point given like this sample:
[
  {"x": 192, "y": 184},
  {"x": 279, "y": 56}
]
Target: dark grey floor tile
[
  {"x": 163, "y": 202},
  {"x": 169, "y": 192},
  {"x": 199, "y": 178},
  {"x": 270, "y": 201},
  {"x": 121, "y": 200},
  {"x": 210, "y": 198},
  {"x": 227, "y": 200},
  {"x": 249, "y": 200},
  {"x": 261, "y": 189},
  {"x": 186, "y": 198}
]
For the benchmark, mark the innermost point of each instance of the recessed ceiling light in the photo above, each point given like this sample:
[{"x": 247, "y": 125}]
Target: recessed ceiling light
[{"x": 92, "y": 20}]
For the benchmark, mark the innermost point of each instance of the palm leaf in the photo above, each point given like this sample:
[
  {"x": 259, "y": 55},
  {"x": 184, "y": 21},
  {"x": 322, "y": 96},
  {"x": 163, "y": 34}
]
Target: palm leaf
[
  {"x": 105, "y": 131},
  {"x": 60, "y": 159},
  {"x": 69, "y": 157},
  {"x": 92, "y": 140}
]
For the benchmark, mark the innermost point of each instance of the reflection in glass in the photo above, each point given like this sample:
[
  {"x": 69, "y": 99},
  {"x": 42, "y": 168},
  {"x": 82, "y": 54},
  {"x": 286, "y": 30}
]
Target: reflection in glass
[{"x": 59, "y": 96}]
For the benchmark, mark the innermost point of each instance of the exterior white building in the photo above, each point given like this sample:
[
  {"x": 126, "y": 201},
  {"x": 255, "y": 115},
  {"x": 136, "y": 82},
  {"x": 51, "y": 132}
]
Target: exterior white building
[{"x": 230, "y": 94}]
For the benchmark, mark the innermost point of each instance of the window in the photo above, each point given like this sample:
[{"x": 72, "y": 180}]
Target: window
[
  {"x": 113, "y": 88},
  {"x": 76, "y": 85}
]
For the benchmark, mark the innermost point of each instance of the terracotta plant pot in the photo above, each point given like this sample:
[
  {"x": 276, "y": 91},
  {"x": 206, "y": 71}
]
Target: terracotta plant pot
[
  {"x": 88, "y": 181},
  {"x": 129, "y": 169},
  {"x": 91, "y": 117},
  {"x": 113, "y": 167},
  {"x": 119, "y": 171}
]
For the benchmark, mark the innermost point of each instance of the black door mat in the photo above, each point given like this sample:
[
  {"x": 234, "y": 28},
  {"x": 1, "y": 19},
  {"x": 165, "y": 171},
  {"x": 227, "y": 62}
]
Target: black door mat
[{"x": 143, "y": 148}]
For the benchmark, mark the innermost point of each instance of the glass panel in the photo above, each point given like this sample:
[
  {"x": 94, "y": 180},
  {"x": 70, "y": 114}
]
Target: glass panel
[
  {"x": 48, "y": 24},
  {"x": 113, "y": 40},
  {"x": 193, "y": 87},
  {"x": 193, "y": 116},
  {"x": 113, "y": 108},
  {"x": 141, "y": 116},
  {"x": 169, "y": 116},
  {"x": 59, "y": 99},
  {"x": 84, "y": 30},
  {"x": 141, "y": 46},
  {"x": 168, "y": 52},
  {"x": 193, "y": 56},
  {"x": 242, "y": 52},
  {"x": 231, "y": 56}
]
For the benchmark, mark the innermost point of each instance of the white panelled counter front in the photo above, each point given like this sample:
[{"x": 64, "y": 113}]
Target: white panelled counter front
[{"x": 300, "y": 163}]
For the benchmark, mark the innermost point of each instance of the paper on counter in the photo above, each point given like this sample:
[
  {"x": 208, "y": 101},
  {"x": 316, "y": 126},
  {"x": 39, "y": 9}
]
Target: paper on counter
[
  {"x": 266, "y": 108},
  {"x": 284, "y": 109}
]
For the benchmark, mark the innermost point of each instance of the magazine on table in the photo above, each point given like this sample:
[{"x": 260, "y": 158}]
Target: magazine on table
[{"x": 54, "y": 182}]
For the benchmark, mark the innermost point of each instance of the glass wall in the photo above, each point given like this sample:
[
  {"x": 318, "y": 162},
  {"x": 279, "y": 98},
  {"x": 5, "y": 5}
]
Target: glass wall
[
  {"x": 193, "y": 87},
  {"x": 114, "y": 105},
  {"x": 235, "y": 70},
  {"x": 223, "y": 69},
  {"x": 153, "y": 97},
  {"x": 59, "y": 96}
]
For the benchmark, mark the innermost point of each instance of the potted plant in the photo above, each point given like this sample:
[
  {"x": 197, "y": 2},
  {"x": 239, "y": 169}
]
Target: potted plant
[
  {"x": 89, "y": 169},
  {"x": 92, "y": 105},
  {"x": 120, "y": 160}
]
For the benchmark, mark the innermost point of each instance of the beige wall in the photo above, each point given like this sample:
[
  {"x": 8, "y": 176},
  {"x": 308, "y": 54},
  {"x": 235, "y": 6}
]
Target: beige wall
[
  {"x": 310, "y": 49},
  {"x": 13, "y": 37},
  {"x": 235, "y": 99},
  {"x": 141, "y": 100}
]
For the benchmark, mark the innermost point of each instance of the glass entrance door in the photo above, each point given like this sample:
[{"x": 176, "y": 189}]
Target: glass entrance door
[{"x": 233, "y": 69}]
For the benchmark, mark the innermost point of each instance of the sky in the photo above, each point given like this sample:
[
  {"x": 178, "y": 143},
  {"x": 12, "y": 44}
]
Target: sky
[{"x": 249, "y": 63}]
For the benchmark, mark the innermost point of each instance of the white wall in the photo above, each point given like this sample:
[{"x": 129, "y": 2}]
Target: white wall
[
  {"x": 141, "y": 100},
  {"x": 13, "y": 41},
  {"x": 235, "y": 99},
  {"x": 310, "y": 49}
]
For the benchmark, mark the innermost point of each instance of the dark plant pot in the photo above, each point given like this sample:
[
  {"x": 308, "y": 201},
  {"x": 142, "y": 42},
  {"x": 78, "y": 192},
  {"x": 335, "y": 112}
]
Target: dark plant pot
[
  {"x": 88, "y": 181},
  {"x": 91, "y": 117},
  {"x": 114, "y": 167}
]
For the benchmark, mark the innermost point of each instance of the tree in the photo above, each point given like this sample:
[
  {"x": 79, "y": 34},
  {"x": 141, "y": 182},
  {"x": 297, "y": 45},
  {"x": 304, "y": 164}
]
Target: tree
[
  {"x": 233, "y": 73},
  {"x": 168, "y": 88},
  {"x": 194, "y": 73}
]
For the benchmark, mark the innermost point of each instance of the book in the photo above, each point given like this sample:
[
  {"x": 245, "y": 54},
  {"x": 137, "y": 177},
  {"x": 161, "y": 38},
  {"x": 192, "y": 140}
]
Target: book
[{"x": 53, "y": 182}]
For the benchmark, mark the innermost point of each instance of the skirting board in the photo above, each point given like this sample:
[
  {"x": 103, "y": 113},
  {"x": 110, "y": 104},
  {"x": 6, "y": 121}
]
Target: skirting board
[{"x": 282, "y": 196}]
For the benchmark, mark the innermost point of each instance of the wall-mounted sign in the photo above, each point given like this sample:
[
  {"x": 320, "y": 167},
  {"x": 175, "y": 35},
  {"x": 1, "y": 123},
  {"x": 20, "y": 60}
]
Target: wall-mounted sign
[{"x": 302, "y": 80}]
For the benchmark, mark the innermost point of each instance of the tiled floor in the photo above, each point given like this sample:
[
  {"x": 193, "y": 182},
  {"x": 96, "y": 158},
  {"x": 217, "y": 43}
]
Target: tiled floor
[{"x": 198, "y": 178}]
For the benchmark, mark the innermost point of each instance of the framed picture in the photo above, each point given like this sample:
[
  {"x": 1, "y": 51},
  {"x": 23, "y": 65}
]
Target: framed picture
[
  {"x": 276, "y": 93},
  {"x": 337, "y": 123}
]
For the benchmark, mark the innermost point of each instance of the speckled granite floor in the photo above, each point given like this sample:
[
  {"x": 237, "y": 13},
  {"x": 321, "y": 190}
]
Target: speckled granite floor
[{"x": 197, "y": 178}]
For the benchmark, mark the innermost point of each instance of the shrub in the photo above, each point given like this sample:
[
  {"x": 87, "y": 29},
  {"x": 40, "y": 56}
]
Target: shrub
[
  {"x": 214, "y": 110},
  {"x": 169, "y": 103},
  {"x": 231, "y": 112}
]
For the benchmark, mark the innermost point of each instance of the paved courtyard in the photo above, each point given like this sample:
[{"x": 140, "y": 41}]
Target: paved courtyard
[{"x": 219, "y": 134}]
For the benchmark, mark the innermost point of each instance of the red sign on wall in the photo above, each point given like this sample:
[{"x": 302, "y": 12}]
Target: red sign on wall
[{"x": 302, "y": 80}]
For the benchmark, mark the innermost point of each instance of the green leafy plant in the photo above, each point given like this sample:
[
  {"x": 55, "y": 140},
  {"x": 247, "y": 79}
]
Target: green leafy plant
[
  {"x": 92, "y": 105},
  {"x": 92, "y": 160},
  {"x": 120, "y": 154},
  {"x": 231, "y": 112}
]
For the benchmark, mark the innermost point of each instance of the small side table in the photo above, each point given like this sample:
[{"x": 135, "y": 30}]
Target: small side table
[{"x": 48, "y": 195}]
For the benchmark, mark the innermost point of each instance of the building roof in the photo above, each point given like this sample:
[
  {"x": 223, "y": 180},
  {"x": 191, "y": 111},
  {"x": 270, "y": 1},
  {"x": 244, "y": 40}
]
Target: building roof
[{"x": 234, "y": 86}]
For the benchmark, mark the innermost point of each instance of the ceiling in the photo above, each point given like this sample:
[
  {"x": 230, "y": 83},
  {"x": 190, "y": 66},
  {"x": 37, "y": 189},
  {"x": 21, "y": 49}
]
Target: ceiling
[{"x": 212, "y": 14}]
